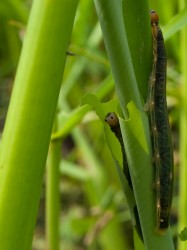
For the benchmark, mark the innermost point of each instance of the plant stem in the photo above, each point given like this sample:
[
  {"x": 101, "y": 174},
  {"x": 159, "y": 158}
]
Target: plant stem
[
  {"x": 53, "y": 196},
  {"x": 119, "y": 21},
  {"x": 183, "y": 136},
  {"x": 30, "y": 118}
]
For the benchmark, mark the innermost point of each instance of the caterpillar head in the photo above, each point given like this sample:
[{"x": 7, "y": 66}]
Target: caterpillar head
[
  {"x": 112, "y": 119},
  {"x": 154, "y": 17}
]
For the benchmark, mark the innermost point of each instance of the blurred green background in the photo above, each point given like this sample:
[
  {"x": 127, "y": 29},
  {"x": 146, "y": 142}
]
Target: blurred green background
[{"x": 93, "y": 210}]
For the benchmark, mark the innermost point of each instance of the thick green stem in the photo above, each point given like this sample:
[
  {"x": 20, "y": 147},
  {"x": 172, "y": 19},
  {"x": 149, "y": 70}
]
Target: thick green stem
[
  {"x": 30, "y": 119},
  {"x": 53, "y": 196},
  {"x": 129, "y": 52},
  {"x": 183, "y": 136}
]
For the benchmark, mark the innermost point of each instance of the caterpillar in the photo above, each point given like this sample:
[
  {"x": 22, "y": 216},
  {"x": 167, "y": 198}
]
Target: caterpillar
[
  {"x": 113, "y": 121},
  {"x": 160, "y": 129}
]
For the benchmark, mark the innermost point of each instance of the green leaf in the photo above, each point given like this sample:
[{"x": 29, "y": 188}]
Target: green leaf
[
  {"x": 74, "y": 171},
  {"x": 138, "y": 244},
  {"x": 117, "y": 30},
  {"x": 102, "y": 109},
  {"x": 183, "y": 234},
  {"x": 175, "y": 24},
  {"x": 68, "y": 120}
]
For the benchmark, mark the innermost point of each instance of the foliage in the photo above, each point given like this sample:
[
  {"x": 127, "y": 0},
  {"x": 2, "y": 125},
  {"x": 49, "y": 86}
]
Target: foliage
[
  {"x": 84, "y": 196},
  {"x": 183, "y": 234}
]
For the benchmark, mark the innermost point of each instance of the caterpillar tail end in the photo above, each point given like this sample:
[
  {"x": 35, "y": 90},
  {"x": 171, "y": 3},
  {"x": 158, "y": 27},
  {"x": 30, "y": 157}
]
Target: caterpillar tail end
[{"x": 162, "y": 227}]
